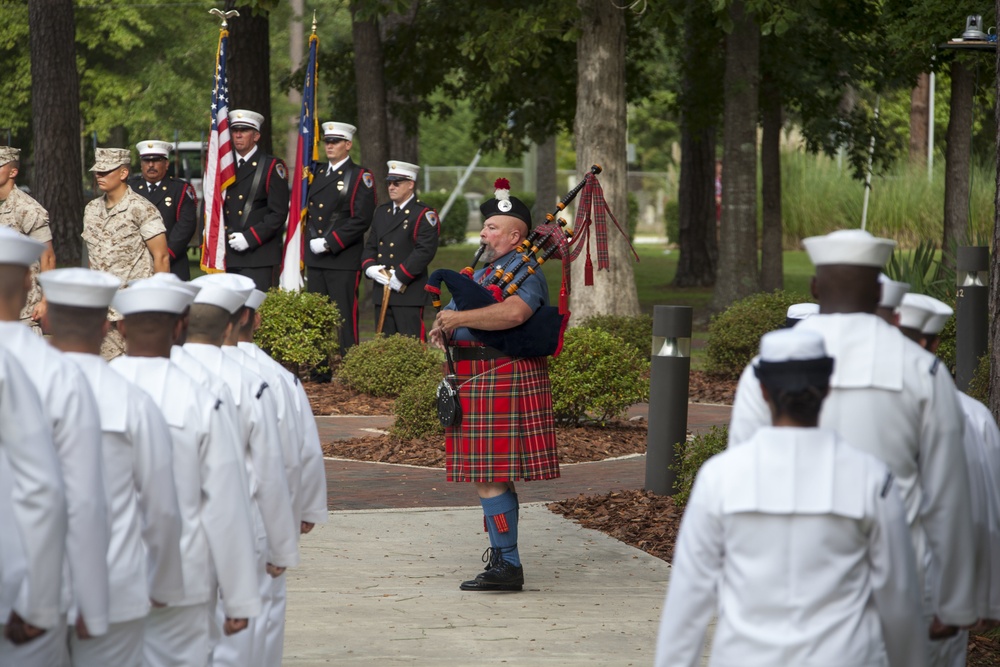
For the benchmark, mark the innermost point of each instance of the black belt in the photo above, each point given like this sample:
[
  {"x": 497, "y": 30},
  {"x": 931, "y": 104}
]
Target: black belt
[{"x": 477, "y": 353}]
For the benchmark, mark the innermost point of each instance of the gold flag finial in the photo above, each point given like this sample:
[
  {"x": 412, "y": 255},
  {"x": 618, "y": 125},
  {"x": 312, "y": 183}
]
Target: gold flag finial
[
  {"x": 225, "y": 16},
  {"x": 314, "y": 21}
]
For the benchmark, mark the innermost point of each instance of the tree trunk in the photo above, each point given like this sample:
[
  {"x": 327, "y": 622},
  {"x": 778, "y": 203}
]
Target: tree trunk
[
  {"x": 249, "y": 67},
  {"x": 403, "y": 144},
  {"x": 737, "y": 276},
  {"x": 958, "y": 161},
  {"x": 599, "y": 127},
  {"x": 369, "y": 70},
  {"x": 296, "y": 42},
  {"x": 995, "y": 260},
  {"x": 699, "y": 248},
  {"x": 546, "y": 185},
  {"x": 55, "y": 106},
  {"x": 771, "y": 246},
  {"x": 919, "y": 119}
]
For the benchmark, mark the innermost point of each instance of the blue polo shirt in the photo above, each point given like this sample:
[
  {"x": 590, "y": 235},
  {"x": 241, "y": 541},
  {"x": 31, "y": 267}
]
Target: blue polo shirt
[{"x": 534, "y": 291}]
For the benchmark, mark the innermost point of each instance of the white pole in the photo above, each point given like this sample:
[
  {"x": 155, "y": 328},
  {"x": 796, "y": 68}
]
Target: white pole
[
  {"x": 868, "y": 174},
  {"x": 930, "y": 130},
  {"x": 461, "y": 183}
]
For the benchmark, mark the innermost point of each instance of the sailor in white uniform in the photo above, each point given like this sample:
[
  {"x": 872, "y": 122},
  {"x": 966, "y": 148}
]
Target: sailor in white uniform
[
  {"x": 892, "y": 295},
  {"x": 313, "y": 481},
  {"x": 144, "y": 558},
  {"x": 217, "y": 530},
  {"x": 921, "y": 319},
  {"x": 289, "y": 422},
  {"x": 73, "y": 415},
  {"x": 32, "y": 500},
  {"x": 214, "y": 313},
  {"x": 894, "y": 400},
  {"x": 797, "y": 540}
]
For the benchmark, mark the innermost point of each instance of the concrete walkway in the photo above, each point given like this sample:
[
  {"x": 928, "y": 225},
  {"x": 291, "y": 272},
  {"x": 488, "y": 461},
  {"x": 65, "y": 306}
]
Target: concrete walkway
[{"x": 378, "y": 584}]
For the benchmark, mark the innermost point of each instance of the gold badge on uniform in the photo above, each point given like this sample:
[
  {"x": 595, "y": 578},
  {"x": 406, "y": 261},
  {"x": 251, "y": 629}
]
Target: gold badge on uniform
[
  {"x": 168, "y": 201},
  {"x": 340, "y": 185}
]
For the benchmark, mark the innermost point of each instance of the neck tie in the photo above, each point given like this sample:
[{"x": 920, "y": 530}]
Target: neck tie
[
  {"x": 241, "y": 163},
  {"x": 395, "y": 209}
]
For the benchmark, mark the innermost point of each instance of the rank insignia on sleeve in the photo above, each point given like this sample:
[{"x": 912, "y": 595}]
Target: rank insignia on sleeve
[
  {"x": 367, "y": 179},
  {"x": 431, "y": 217},
  {"x": 279, "y": 167}
]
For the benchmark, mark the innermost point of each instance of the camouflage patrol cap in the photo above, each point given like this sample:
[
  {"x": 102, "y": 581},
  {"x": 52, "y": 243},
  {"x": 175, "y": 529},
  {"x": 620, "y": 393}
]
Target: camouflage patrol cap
[
  {"x": 8, "y": 154},
  {"x": 106, "y": 159}
]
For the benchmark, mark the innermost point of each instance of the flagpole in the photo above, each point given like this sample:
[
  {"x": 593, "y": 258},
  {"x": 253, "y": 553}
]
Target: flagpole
[
  {"x": 306, "y": 155},
  {"x": 220, "y": 170}
]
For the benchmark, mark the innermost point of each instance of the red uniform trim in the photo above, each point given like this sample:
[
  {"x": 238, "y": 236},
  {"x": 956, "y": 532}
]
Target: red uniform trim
[
  {"x": 256, "y": 236},
  {"x": 408, "y": 274},
  {"x": 172, "y": 255},
  {"x": 337, "y": 238},
  {"x": 366, "y": 262},
  {"x": 177, "y": 213}
]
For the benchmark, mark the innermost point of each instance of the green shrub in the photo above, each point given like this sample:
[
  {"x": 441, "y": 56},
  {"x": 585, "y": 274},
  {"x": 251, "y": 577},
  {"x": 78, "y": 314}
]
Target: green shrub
[
  {"x": 416, "y": 408},
  {"x": 734, "y": 335},
  {"x": 597, "y": 373},
  {"x": 692, "y": 455},
  {"x": 633, "y": 215},
  {"x": 529, "y": 199},
  {"x": 454, "y": 226},
  {"x": 979, "y": 385},
  {"x": 635, "y": 331},
  {"x": 949, "y": 338},
  {"x": 672, "y": 217},
  {"x": 385, "y": 366},
  {"x": 299, "y": 329}
]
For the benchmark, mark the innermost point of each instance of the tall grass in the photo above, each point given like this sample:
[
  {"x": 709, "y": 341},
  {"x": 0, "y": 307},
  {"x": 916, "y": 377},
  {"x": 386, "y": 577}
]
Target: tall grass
[{"x": 818, "y": 197}]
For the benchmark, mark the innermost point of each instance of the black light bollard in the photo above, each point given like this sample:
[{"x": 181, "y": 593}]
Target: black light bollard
[
  {"x": 971, "y": 311},
  {"x": 670, "y": 368}
]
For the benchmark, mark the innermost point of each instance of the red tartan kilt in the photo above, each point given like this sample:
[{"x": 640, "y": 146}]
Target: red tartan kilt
[{"x": 507, "y": 431}]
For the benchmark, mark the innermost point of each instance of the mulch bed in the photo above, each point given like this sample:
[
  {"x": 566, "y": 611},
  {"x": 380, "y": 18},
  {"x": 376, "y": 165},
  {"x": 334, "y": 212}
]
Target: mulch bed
[
  {"x": 706, "y": 388},
  {"x": 334, "y": 398},
  {"x": 576, "y": 444}
]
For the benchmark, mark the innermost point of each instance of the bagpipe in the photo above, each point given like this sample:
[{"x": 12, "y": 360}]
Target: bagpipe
[{"x": 542, "y": 333}]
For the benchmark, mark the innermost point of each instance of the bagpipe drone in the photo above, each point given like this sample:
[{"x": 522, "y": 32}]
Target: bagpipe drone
[{"x": 542, "y": 333}]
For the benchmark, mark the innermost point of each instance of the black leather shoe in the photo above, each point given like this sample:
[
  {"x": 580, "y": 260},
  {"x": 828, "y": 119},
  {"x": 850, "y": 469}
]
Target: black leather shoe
[{"x": 499, "y": 576}]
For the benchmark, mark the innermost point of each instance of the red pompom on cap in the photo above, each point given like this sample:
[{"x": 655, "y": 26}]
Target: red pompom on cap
[{"x": 501, "y": 184}]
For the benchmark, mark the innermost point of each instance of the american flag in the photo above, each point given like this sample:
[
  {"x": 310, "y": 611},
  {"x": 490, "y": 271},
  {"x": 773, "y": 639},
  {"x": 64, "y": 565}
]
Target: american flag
[
  {"x": 306, "y": 155},
  {"x": 220, "y": 172}
]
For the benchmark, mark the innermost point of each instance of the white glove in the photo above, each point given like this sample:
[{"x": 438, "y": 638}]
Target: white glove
[
  {"x": 319, "y": 246},
  {"x": 375, "y": 273},
  {"x": 238, "y": 242},
  {"x": 394, "y": 283}
]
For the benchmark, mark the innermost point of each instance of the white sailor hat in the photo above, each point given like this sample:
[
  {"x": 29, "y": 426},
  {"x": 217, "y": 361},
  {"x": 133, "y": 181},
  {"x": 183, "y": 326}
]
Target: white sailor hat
[
  {"x": 79, "y": 287},
  {"x": 937, "y": 313},
  {"x": 784, "y": 345},
  {"x": 892, "y": 291},
  {"x": 228, "y": 291},
  {"x": 800, "y": 311},
  {"x": 334, "y": 130},
  {"x": 849, "y": 246},
  {"x": 152, "y": 296},
  {"x": 793, "y": 359},
  {"x": 245, "y": 118},
  {"x": 8, "y": 154},
  {"x": 16, "y": 248},
  {"x": 915, "y": 310},
  {"x": 171, "y": 279},
  {"x": 255, "y": 299},
  {"x": 402, "y": 171},
  {"x": 152, "y": 148}
]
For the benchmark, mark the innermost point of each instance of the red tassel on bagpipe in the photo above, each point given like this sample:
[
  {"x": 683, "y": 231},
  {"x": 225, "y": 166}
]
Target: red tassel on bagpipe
[{"x": 588, "y": 270}]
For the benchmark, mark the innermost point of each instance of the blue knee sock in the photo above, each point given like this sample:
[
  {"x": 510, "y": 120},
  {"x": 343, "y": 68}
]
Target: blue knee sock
[{"x": 501, "y": 522}]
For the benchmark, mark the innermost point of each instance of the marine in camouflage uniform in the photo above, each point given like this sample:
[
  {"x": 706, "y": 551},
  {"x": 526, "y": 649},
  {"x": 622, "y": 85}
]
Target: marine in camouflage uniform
[
  {"x": 25, "y": 215},
  {"x": 127, "y": 239}
]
